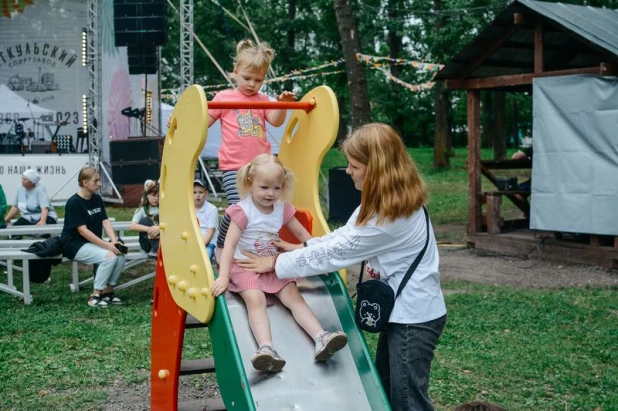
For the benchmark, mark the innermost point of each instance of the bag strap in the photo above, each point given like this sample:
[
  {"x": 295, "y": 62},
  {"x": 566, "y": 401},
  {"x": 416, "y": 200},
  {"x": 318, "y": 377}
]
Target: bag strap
[
  {"x": 412, "y": 268},
  {"x": 418, "y": 259}
]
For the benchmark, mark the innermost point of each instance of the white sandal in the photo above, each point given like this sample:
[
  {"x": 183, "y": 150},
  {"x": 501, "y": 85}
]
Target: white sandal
[
  {"x": 327, "y": 343},
  {"x": 267, "y": 359}
]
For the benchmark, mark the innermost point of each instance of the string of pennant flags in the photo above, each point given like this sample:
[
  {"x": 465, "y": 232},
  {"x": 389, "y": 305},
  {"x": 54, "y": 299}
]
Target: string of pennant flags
[
  {"x": 419, "y": 65},
  {"x": 374, "y": 62},
  {"x": 294, "y": 74}
]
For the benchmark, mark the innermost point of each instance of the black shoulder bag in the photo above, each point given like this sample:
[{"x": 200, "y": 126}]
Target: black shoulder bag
[{"x": 375, "y": 299}]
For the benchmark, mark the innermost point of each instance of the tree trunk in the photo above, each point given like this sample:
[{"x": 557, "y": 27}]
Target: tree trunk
[
  {"x": 289, "y": 84},
  {"x": 514, "y": 125},
  {"x": 394, "y": 48},
  {"x": 487, "y": 119},
  {"x": 355, "y": 71},
  {"x": 499, "y": 127},
  {"x": 449, "y": 125},
  {"x": 440, "y": 153}
]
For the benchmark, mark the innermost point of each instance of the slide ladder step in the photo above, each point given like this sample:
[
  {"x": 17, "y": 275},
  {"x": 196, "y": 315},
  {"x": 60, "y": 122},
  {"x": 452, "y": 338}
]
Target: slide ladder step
[
  {"x": 192, "y": 322},
  {"x": 201, "y": 366},
  {"x": 214, "y": 404}
]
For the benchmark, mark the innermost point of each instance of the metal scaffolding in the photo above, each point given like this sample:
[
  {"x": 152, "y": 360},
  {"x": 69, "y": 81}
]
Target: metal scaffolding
[
  {"x": 95, "y": 114},
  {"x": 186, "y": 44}
]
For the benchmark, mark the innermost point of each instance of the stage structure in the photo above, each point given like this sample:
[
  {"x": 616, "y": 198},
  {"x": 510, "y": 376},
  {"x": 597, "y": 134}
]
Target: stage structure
[
  {"x": 70, "y": 86},
  {"x": 186, "y": 45}
]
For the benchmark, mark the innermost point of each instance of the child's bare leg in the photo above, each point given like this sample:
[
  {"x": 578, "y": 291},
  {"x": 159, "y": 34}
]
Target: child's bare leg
[
  {"x": 266, "y": 358},
  {"x": 326, "y": 343},
  {"x": 255, "y": 300},
  {"x": 304, "y": 316}
]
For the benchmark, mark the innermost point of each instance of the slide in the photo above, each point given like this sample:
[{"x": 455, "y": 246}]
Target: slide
[
  {"x": 184, "y": 277},
  {"x": 348, "y": 381}
]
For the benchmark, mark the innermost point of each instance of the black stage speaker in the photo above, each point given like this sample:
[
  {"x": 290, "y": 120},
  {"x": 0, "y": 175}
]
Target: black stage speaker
[
  {"x": 343, "y": 197},
  {"x": 142, "y": 59},
  {"x": 136, "y": 149},
  {"x": 140, "y": 22},
  {"x": 135, "y": 160},
  {"x": 135, "y": 172}
]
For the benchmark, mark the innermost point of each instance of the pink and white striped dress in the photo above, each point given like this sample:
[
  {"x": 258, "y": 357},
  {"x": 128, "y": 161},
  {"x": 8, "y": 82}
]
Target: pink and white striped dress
[{"x": 259, "y": 233}]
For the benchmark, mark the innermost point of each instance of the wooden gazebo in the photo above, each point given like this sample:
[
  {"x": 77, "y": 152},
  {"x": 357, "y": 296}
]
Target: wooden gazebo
[{"x": 529, "y": 39}]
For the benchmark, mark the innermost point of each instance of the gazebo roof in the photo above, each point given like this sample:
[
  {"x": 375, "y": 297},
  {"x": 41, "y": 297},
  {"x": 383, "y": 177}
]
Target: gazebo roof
[{"x": 573, "y": 37}]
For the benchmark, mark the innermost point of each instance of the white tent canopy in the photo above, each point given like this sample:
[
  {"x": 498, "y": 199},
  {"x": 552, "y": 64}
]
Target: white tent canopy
[
  {"x": 274, "y": 134},
  {"x": 13, "y": 106},
  {"x": 11, "y": 102}
]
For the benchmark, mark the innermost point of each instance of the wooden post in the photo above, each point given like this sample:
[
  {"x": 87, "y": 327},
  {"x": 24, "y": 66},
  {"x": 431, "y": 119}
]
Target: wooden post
[
  {"x": 474, "y": 161},
  {"x": 538, "y": 46},
  {"x": 494, "y": 221}
]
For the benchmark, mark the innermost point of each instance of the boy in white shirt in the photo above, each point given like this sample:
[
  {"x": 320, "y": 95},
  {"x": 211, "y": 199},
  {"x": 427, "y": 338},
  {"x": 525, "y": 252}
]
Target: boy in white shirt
[{"x": 207, "y": 215}]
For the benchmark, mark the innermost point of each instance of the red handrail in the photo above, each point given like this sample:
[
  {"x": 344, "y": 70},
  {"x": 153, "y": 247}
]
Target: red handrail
[{"x": 295, "y": 105}]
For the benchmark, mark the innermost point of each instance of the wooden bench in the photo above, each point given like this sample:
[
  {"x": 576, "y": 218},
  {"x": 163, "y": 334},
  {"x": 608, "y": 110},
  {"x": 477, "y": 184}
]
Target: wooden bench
[
  {"x": 493, "y": 201},
  {"x": 10, "y": 251},
  {"x": 9, "y": 255},
  {"x": 53, "y": 229}
]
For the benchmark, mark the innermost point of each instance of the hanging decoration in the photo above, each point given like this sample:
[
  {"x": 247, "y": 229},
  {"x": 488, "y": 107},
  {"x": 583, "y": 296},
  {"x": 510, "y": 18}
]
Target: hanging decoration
[
  {"x": 412, "y": 87},
  {"x": 14, "y": 6},
  {"x": 419, "y": 65},
  {"x": 292, "y": 75}
]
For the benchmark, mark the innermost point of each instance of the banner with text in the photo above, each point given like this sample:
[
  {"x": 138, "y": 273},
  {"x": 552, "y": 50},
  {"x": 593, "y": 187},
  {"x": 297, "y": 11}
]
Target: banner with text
[{"x": 58, "y": 173}]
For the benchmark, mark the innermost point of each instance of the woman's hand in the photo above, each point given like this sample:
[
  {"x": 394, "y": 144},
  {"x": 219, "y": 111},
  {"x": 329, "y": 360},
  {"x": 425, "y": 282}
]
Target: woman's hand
[
  {"x": 257, "y": 264},
  {"x": 219, "y": 286},
  {"x": 41, "y": 222},
  {"x": 286, "y": 96},
  {"x": 285, "y": 246}
]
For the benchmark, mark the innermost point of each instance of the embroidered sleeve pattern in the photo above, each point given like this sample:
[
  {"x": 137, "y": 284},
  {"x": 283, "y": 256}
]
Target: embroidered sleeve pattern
[
  {"x": 237, "y": 215},
  {"x": 288, "y": 212}
]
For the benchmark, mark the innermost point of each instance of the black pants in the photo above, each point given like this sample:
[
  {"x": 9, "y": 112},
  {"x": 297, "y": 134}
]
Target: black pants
[
  {"x": 23, "y": 221},
  {"x": 145, "y": 243}
]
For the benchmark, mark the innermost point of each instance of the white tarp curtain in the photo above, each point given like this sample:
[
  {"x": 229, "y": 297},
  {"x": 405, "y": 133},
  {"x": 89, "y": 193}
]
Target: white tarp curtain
[
  {"x": 274, "y": 134},
  {"x": 575, "y": 163}
]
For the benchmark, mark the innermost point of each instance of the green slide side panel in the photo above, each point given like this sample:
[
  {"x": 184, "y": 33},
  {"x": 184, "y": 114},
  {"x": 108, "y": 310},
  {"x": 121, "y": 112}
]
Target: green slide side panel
[
  {"x": 231, "y": 375},
  {"x": 356, "y": 340}
]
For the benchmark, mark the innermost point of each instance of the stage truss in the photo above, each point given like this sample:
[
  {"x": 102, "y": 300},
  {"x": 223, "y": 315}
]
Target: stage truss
[
  {"x": 186, "y": 44},
  {"x": 95, "y": 114}
]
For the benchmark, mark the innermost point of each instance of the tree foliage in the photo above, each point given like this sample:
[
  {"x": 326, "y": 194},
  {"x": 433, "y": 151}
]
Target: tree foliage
[{"x": 405, "y": 29}]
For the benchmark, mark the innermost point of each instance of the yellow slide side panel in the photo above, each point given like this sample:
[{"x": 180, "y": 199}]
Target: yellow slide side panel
[
  {"x": 302, "y": 152},
  {"x": 188, "y": 270},
  {"x": 306, "y": 140}
]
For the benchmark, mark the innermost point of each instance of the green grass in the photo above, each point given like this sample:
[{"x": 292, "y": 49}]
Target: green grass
[{"x": 525, "y": 349}]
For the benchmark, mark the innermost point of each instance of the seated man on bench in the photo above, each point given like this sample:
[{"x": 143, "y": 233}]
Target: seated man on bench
[{"x": 525, "y": 154}]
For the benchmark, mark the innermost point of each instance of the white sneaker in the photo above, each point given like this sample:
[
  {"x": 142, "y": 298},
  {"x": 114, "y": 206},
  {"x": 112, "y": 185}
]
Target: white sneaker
[
  {"x": 267, "y": 359},
  {"x": 327, "y": 343},
  {"x": 96, "y": 301}
]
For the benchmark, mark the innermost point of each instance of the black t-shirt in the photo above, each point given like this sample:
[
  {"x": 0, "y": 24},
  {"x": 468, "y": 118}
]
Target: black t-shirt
[{"x": 78, "y": 212}]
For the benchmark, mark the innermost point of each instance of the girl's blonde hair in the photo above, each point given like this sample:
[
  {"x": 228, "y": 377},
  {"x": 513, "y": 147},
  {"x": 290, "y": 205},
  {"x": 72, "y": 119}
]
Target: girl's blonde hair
[
  {"x": 270, "y": 170},
  {"x": 150, "y": 187},
  {"x": 253, "y": 57},
  {"x": 86, "y": 173},
  {"x": 392, "y": 187}
]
